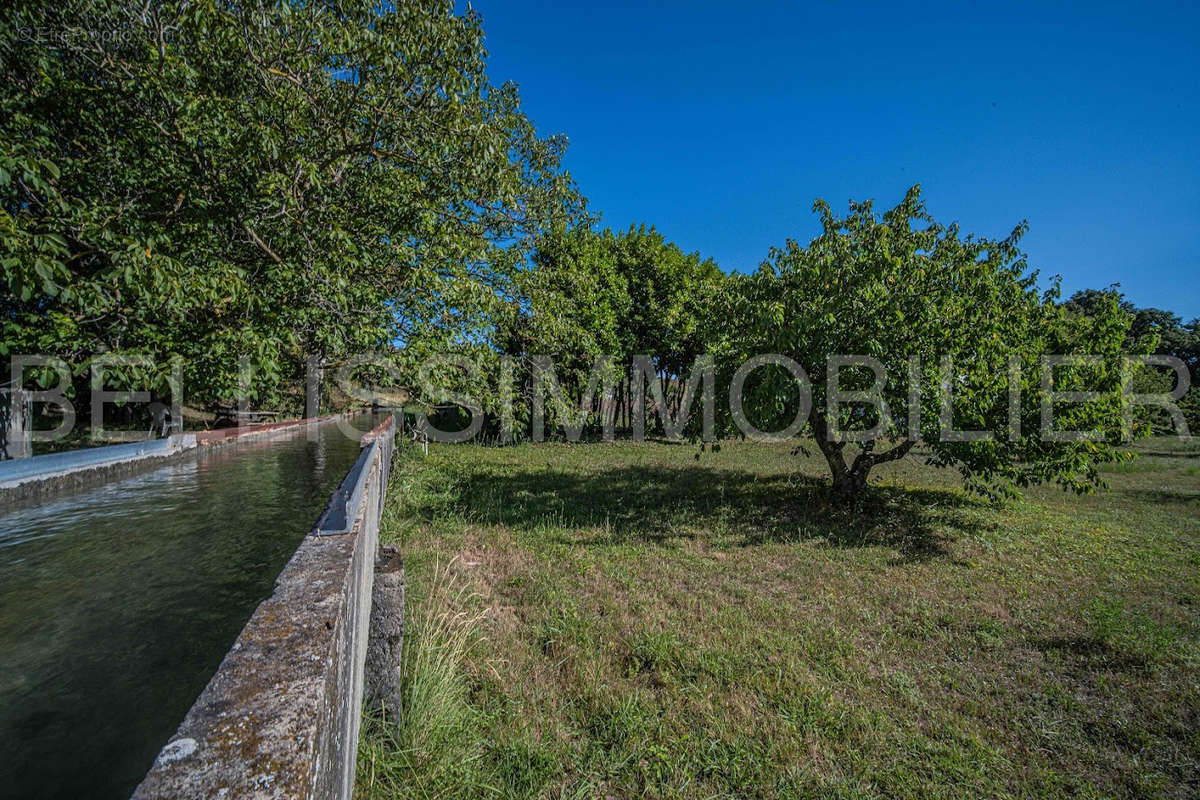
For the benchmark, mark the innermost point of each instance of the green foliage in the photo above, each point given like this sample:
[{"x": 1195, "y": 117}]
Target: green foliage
[
  {"x": 579, "y": 298},
  {"x": 272, "y": 180},
  {"x": 900, "y": 287},
  {"x": 670, "y": 294},
  {"x": 1160, "y": 332},
  {"x": 590, "y": 294}
]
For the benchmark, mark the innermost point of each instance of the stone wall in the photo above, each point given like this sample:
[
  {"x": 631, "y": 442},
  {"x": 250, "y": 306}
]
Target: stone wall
[{"x": 280, "y": 718}]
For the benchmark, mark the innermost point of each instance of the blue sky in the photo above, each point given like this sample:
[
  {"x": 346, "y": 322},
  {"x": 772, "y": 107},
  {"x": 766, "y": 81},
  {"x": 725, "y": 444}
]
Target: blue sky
[{"x": 720, "y": 122}]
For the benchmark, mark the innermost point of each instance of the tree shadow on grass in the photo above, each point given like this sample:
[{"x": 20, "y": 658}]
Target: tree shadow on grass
[
  {"x": 1166, "y": 495},
  {"x": 1090, "y": 653},
  {"x": 1169, "y": 453},
  {"x": 660, "y": 504}
]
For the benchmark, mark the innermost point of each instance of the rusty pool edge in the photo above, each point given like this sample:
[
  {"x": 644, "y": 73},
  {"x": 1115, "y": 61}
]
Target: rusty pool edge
[{"x": 281, "y": 715}]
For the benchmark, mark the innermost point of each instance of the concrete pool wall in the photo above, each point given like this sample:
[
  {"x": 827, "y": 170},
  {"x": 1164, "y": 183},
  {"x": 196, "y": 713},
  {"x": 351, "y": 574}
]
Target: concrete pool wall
[
  {"x": 280, "y": 718},
  {"x": 27, "y": 480}
]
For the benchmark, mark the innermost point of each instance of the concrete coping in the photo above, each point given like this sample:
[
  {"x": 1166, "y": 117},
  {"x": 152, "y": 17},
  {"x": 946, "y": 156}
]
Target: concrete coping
[
  {"x": 20, "y": 470},
  {"x": 338, "y": 517},
  {"x": 26, "y": 480},
  {"x": 280, "y": 717},
  {"x": 344, "y": 505}
]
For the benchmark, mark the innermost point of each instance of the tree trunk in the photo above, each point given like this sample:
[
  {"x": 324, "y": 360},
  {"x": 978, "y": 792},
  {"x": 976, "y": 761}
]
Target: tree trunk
[
  {"x": 850, "y": 480},
  {"x": 849, "y": 487},
  {"x": 844, "y": 489}
]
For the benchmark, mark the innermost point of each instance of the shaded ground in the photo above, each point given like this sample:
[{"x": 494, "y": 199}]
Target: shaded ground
[{"x": 657, "y": 625}]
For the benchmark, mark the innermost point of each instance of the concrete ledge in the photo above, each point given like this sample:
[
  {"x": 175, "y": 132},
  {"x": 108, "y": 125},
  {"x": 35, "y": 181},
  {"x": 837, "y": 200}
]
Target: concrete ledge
[
  {"x": 280, "y": 717},
  {"x": 386, "y": 642},
  {"x": 68, "y": 461},
  {"x": 224, "y": 435},
  {"x": 30, "y": 480}
]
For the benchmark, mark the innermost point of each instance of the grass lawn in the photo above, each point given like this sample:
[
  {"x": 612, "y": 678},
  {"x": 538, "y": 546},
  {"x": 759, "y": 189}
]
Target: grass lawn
[{"x": 621, "y": 619}]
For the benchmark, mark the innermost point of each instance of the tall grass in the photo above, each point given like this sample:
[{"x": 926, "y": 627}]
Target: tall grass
[{"x": 422, "y": 748}]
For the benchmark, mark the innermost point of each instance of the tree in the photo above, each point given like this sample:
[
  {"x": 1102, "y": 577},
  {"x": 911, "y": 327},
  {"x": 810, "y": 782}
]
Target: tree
[
  {"x": 274, "y": 180},
  {"x": 1158, "y": 331},
  {"x": 947, "y": 313},
  {"x": 570, "y": 307},
  {"x": 595, "y": 293},
  {"x": 671, "y": 296}
]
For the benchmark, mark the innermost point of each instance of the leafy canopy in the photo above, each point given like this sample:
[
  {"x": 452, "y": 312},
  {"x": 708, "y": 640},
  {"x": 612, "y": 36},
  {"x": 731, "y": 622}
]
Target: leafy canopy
[
  {"x": 958, "y": 310},
  {"x": 274, "y": 180}
]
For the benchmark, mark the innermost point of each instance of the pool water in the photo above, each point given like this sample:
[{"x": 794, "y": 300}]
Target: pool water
[{"x": 117, "y": 603}]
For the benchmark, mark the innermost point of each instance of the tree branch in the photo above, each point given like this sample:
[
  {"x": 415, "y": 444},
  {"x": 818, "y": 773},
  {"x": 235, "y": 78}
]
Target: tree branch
[{"x": 261, "y": 243}]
